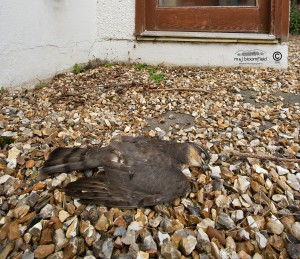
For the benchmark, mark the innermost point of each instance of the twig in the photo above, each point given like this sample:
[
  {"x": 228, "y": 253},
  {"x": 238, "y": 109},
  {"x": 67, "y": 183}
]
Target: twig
[
  {"x": 238, "y": 226},
  {"x": 265, "y": 157},
  {"x": 180, "y": 90}
]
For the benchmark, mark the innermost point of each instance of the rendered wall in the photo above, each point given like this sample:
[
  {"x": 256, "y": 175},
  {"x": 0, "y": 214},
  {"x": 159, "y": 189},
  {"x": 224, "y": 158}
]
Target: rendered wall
[{"x": 39, "y": 38}]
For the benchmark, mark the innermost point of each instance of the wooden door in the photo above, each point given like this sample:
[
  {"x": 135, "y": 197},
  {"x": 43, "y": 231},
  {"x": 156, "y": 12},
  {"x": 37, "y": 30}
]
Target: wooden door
[{"x": 208, "y": 15}]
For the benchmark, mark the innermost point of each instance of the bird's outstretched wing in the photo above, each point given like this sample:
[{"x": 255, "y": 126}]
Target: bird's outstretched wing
[{"x": 137, "y": 186}]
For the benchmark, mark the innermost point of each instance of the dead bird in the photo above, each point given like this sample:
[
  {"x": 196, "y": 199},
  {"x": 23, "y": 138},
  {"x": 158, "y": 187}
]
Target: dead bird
[{"x": 138, "y": 171}]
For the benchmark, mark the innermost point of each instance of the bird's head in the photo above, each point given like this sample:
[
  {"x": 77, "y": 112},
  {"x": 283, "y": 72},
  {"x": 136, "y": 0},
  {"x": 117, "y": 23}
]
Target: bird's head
[{"x": 198, "y": 156}]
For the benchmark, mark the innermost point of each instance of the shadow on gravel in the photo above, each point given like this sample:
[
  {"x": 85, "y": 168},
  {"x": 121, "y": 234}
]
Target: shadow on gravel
[{"x": 288, "y": 98}]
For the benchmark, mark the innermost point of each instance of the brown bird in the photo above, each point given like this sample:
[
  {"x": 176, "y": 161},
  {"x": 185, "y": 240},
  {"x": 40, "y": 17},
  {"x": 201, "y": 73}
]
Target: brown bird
[{"x": 138, "y": 171}]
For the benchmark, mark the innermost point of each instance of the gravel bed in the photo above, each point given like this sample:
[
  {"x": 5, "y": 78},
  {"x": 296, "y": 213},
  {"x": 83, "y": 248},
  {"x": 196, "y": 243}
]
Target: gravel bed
[{"x": 241, "y": 207}]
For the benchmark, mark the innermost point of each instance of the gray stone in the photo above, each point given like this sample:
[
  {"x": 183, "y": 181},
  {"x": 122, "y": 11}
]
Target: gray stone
[
  {"x": 252, "y": 223},
  {"x": 241, "y": 184},
  {"x": 119, "y": 231},
  {"x": 293, "y": 182},
  {"x": 293, "y": 250},
  {"x": 46, "y": 212},
  {"x": 257, "y": 256},
  {"x": 129, "y": 237},
  {"x": 163, "y": 237},
  {"x": 230, "y": 244},
  {"x": 228, "y": 254},
  {"x": 274, "y": 227},
  {"x": 60, "y": 239},
  {"x": 135, "y": 225},
  {"x": 187, "y": 244},
  {"x": 57, "y": 255},
  {"x": 107, "y": 248},
  {"x": 203, "y": 242},
  {"x": 154, "y": 222},
  {"x": 296, "y": 230},
  {"x": 89, "y": 257},
  {"x": 168, "y": 251},
  {"x": 28, "y": 255},
  {"x": 33, "y": 198},
  {"x": 206, "y": 223},
  {"x": 72, "y": 229},
  {"x": 170, "y": 225},
  {"x": 148, "y": 244},
  {"x": 254, "y": 142},
  {"x": 224, "y": 221},
  {"x": 36, "y": 229},
  {"x": 134, "y": 249},
  {"x": 237, "y": 215},
  {"x": 261, "y": 240},
  {"x": 243, "y": 235},
  {"x": 281, "y": 170},
  {"x": 215, "y": 172}
]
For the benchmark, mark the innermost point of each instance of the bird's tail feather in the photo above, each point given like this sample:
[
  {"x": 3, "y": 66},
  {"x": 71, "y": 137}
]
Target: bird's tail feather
[{"x": 70, "y": 159}]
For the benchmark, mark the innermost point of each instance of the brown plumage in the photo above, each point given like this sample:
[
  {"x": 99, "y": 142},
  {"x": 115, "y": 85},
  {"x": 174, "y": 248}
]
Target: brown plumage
[{"x": 138, "y": 171}]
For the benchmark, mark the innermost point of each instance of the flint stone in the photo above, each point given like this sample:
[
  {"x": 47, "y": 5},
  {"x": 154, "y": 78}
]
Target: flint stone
[
  {"x": 241, "y": 184},
  {"x": 237, "y": 215},
  {"x": 206, "y": 223},
  {"x": 281, "y": 170},
  {"x": 293, "y": 182},
  {"x": 46, "y": 212},
  {"x": 296, "y": 230},
  {"x": 261, "y": 240},
  {"x": 215, "y": 172},
  {"x": 223, "y": 220},
  {"x": 163, "y": 237},
  {"x": 203, "y": 241},
  {"x": 274, "y": 227},
  {"x": 257, "y": 256},
  {"x": 293, "y": 250},
  {"x": 228, "y": 253},
  {"x": 187, "y": 244},
  {"x": 36, "y": 229},
  {"x": 119, "y": 231},
  {"x": 168, "y": 251},
  {"x": 60, "y": 239},
  {"x": 154, "y": 222},
  {"x": 135, "y": 225},
  {"x": 129, "y": 237},
  {"x": 170, "y": 225},
  {"x": 142, "y": 255},
  {"x": 148, "y": 244},
  {"x": 43, "y": 251},
  {"x": 28, "y": 255},
  {"x": 33, "y": 198},
  {"x": 107, "y": 248}
]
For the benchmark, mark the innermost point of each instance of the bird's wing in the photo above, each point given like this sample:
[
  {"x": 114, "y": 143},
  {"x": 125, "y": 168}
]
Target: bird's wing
[
  {"x": 137, "y": 186},
  {"x": 97, "y": 190}
]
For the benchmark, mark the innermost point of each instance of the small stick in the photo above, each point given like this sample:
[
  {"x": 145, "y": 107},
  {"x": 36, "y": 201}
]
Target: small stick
[
  {"x": 265, "y": 157},
  {"x": 180, "y": 90}
]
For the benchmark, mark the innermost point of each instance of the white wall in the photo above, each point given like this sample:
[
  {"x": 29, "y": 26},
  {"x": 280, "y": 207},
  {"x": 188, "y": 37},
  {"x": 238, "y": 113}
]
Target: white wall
[{"x": 39, "y": 38}]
